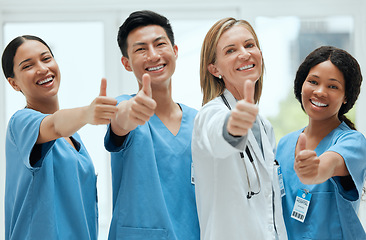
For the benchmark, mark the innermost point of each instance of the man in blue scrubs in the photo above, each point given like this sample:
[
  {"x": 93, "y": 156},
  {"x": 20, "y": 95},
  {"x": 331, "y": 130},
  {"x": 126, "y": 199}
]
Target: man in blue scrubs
[{"x": 150, "y": 140}]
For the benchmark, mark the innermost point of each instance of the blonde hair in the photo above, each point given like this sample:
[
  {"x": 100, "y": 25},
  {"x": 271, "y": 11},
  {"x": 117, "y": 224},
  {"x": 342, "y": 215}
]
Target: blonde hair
[{"x": 212, "y": 86}]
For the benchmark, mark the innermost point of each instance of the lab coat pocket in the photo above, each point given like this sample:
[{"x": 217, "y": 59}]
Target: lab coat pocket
[{"x": 132, "y": 233}]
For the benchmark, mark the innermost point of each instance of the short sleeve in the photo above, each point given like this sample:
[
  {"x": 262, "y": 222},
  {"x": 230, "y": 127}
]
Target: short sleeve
[
  {"x": 352, "y": 147},
  {"x": 23, "y": 131}
]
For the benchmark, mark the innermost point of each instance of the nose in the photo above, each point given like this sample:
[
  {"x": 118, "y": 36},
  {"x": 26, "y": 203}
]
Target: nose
[
  {"x": 153, "y": 55},
  {"x": 42, "y": 69},
  {"x": 244, "y": 53},
  {"x": 320, "y": 91}
]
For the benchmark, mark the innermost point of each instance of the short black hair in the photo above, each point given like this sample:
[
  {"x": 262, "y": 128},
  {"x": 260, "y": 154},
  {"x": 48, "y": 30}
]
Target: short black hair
[
  {"x": 345, "y": 62},
  {"x": 140, "y": 19},
  {"x": 7, "y": 58}
]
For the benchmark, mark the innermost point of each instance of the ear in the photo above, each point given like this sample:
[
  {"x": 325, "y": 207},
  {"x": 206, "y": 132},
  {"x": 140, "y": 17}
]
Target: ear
[
  {"x": 213, "y": 70},
  {"x": 13, "y": 84},
  {"x": 126, "y": 63},
  {"x": 175, "y": 49}
]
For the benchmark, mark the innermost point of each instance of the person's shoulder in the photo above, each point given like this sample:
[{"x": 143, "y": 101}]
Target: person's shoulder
[
  {"x": 24, "y": 114},
  {"x": 188, "y": 109},
  {"x": 214, "y": 103},
  {"x": 344, "y": 131},
  {"x": 290, "y": 136}
]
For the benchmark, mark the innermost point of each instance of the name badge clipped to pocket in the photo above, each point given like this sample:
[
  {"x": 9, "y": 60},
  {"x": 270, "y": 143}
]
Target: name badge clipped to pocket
[
  {"x": 301, "y": 206},
  {"x": 278, "y": 171},
  {"x": 280, "y": 181}
]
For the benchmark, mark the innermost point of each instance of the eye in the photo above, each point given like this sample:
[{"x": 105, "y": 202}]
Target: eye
[
  {"x": 26, "y": 66},
  {"x": 139, "y": 49},
  {"x": 47, "y": 58},
  {"x": 249, "y": 45},
  {"x": 312, "y": 82},
  {"x": 161, "y": 44},
  {"x": 230, "y": 51},
  {"x": 333, "y": 87}
]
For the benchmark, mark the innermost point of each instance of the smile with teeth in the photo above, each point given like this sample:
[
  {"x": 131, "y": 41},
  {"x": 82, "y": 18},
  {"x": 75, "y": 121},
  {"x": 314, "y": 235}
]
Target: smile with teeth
[
  {"x": 49, "y": 79},
  {"x": 246, "y": 67},
  {"x": 318, "y": 104},
  {"x": 155, "y": 68}
]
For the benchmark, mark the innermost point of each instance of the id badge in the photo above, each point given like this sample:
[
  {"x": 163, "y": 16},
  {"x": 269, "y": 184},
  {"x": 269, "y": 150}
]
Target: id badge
[
  {"x": 280, "y": 181},
  {"x": 301, "y": 206}
]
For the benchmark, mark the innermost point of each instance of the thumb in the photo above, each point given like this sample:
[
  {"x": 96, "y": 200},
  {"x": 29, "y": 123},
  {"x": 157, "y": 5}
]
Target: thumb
[
  {"x": 146, "y": 84},
  {"x": 249, "y": 91},
  {"x": 301, "y": 142},
  {"x": 103, "y": 87}
]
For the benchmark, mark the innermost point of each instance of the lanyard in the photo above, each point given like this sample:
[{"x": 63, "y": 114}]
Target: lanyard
[{"x": 247, "y": 151}]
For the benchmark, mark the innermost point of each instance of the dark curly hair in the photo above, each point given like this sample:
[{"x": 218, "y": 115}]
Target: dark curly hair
[{"x": 347, "y": 64}]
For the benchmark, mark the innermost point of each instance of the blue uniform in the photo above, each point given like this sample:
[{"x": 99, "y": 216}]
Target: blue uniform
[
  {"x": 333, "y": 208},
  {"x": 54, "y": 199},
  {"x": 153, "y": 197}
]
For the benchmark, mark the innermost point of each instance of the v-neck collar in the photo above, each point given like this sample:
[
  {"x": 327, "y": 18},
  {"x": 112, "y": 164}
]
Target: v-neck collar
[{"x": 157, "y": 121}]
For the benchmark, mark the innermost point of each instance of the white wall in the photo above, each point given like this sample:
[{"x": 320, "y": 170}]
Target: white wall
[{"x": 112, "y": 12}]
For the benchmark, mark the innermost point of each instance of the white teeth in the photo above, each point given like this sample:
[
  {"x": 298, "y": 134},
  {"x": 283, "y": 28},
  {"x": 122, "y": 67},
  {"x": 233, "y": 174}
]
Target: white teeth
[
  {"x": 319, "y": 104},
  {"x": 246, "y": 67},
  {"x": 49, "y": 79},
  {"x": 155, "y": 68}
]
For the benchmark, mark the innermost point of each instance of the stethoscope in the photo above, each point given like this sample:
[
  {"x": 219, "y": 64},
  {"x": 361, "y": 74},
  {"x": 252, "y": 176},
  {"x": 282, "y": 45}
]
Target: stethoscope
[{"x": 247, "y": 151}]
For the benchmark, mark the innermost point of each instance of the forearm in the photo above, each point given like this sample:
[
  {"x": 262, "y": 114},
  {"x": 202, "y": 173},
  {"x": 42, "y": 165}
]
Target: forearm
[
  {"x": 63, "y": 123},
  {"x": 69, "y": 121},
  {"x": 331, "y": 164}
]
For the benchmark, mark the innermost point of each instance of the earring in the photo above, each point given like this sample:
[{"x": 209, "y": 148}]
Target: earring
[{"x": 220, "y": 77}]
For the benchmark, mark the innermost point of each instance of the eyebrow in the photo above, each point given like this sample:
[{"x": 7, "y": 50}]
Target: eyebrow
[
  {"x": 143, "y": 43},
  {"x": 28, "y": 59},
  {"x": 232, "y": 45}
]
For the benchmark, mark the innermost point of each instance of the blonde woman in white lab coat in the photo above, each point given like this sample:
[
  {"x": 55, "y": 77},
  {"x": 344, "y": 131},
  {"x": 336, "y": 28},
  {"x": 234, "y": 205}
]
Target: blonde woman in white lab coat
[{"x": 237, "y": 185}]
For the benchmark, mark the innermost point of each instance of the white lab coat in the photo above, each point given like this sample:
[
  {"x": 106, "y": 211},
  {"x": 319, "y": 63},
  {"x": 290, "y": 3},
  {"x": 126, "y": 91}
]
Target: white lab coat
[{"x": 221, "y": 181}]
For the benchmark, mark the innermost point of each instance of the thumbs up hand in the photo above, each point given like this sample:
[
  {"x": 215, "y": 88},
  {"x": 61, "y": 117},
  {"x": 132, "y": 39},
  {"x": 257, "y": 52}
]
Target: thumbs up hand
[
  {"x": 135, "y": 111},
  {"x": 245, "y": 112},
  {"x": 142, "y": 105},
  {"x": 306, "y": 163},
  {"x": 103, "y": 108}
]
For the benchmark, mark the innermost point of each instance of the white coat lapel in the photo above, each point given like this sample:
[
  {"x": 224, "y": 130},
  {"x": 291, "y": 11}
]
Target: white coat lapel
[{"x": 265, "y": 159}]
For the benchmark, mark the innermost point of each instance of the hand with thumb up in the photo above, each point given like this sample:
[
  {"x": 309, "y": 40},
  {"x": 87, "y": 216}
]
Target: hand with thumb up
[
  {"x": 136, "y": 111},
  {"x": 142, "y": 105},
  {"x": 103, "y": 108},
  {"x": 245, "y": 112},
  {"x": 306, "y": 163}
]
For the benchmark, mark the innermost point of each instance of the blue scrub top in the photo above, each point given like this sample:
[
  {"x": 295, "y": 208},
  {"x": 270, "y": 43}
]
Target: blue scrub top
[
  {"x": 153, "y": 197},
  {"x": 54, "y": 199},
  {"x": 332, "y": 212}
]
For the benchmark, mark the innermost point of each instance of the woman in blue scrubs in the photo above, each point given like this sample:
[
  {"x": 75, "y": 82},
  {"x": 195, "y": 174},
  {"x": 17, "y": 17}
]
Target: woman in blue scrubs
[
  {"x": 50, "y": 178},
  {"x": 324, "y": 163}
]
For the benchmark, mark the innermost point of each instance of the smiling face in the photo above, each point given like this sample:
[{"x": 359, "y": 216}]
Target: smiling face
[
  {"x": 150, "y": 51},
  {"x": 323, "y": 92},
  {"x": 36, "y": 73},
  {"x": 238, "y": 59}
]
